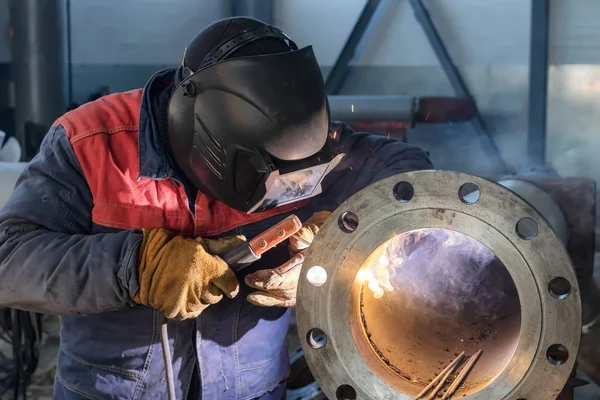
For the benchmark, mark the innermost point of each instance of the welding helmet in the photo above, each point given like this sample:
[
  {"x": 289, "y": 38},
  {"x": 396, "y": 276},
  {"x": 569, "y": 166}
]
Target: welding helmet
[{"x": 249, "y": 122}]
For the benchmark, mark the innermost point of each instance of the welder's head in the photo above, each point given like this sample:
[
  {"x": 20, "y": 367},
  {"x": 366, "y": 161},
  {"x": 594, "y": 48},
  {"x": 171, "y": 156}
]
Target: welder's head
[{"x": 249, "y": 122}]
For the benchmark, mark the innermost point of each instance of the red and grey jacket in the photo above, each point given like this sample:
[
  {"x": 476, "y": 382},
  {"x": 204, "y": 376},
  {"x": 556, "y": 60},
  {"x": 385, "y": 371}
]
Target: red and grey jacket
[{"x": 69, "y": 238}]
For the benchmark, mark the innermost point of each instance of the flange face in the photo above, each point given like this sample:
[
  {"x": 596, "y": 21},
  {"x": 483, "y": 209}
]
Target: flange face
[{"x": 346, "y": 368}]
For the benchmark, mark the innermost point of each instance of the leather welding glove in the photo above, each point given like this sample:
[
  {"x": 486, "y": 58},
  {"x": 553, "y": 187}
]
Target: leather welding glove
[
  {"x": 277, "y": 287},
  {"x": 181, "y": 277}
]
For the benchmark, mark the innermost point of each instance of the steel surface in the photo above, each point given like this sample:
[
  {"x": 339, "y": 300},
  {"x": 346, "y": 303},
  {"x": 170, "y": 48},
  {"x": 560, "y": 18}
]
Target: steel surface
[{"x": 545, "y": 320}]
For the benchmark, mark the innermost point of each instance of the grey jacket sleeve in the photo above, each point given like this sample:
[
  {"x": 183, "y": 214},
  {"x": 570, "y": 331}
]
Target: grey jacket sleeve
[{"x": 49, "y": 261}]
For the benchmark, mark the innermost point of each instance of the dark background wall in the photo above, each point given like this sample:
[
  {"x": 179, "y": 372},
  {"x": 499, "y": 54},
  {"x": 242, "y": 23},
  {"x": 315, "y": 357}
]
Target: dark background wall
[{"x": 119, "y": 44}]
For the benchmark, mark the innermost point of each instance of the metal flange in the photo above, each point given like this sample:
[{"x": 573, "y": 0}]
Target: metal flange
[{"x": 347, "y": 366}]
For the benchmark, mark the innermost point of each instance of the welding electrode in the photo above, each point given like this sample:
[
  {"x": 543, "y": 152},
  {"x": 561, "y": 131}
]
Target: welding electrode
[{"x": 237, "y": 259}]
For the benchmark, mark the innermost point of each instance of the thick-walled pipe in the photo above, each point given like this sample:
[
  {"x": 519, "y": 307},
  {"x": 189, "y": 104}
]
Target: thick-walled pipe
[
  {"x": 373, "y": 108},
  {"x": 543, "y": 202},
  {"x": 38, "y": 67},
  {"x": 395, "y": 108},
  {"x": 468, "y": 265}
]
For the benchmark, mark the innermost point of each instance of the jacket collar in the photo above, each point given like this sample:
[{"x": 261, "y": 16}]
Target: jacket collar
[{"x": 154, "y": 160}]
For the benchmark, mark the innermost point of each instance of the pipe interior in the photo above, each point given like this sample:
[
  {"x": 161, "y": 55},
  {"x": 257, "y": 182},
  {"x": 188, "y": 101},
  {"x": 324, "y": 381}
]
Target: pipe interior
[{"x": 441, "y": 293}]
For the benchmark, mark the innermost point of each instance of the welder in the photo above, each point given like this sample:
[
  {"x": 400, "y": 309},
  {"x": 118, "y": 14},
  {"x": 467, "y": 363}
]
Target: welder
[{"x": 120, "y": 215}]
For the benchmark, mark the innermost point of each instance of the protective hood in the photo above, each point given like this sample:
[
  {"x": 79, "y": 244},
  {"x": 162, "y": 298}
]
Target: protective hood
[{"x": 237, "y": 122}]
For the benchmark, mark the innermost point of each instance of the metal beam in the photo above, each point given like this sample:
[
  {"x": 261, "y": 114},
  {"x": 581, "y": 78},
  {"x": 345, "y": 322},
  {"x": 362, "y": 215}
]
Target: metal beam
[
  {"x": 538, "y": 81},
  {"x": 259, "y": 9},
  {"x": 38, "y": 68},
  {"x": 455, "y": 78},
  {"x": 341, "y": 68}
]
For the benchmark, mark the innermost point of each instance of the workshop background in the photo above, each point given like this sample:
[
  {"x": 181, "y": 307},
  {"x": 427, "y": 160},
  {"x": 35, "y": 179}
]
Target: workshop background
[{"x": 532, "y": 67}]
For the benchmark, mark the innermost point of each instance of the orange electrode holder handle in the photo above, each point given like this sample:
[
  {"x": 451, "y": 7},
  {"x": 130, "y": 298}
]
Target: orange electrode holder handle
[
  {"x": 250, "y": 251},
  {"x": 275, "y": 235}
]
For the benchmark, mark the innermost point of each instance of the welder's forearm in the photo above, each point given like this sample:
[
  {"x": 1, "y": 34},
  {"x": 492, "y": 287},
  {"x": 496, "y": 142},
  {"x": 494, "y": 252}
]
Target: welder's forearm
[{"x": 65, "y": 274}]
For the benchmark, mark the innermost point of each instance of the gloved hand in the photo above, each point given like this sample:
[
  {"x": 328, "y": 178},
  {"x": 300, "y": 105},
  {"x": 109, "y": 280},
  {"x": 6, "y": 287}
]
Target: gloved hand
[
  {"x": 277, "y": 287},
  {"x": 181, "y": 277}
]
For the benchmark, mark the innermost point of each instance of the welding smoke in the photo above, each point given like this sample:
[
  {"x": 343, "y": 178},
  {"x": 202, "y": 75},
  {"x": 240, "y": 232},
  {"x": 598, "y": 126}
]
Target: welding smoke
[{"x": 447, "y": 272}]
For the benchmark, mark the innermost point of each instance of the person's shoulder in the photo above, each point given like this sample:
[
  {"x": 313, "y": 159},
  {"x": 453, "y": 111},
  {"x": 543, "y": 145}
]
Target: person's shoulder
[
  {"x": 110, "y": 114},
  {"x": 361, "y": 147},
  {"x": 360, "y": 142},
  {"x": 104, "y": 132}
]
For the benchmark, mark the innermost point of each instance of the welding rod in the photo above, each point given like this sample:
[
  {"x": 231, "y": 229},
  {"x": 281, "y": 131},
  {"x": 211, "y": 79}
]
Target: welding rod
[
  {"x": 435, "y": 391},
  {"x": 461, "y": 377},
  {"x": 441, "y": 375}
]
